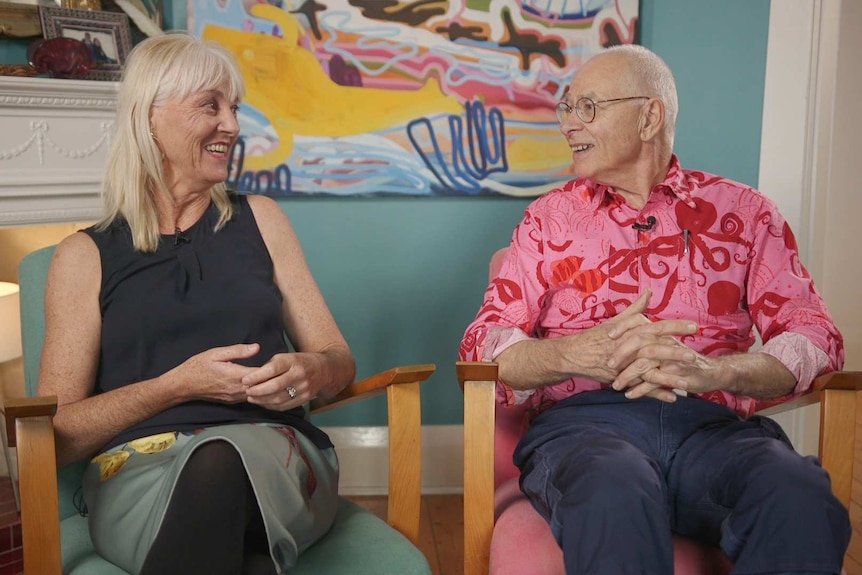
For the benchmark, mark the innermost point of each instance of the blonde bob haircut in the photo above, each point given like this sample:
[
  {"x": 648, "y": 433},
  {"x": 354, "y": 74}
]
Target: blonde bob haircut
[{"x": 161, "y": 68}]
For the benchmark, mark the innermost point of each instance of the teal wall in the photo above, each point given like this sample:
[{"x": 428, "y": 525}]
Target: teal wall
[
  {"x": 717, "y": 51},
  {"x": 405, "y": 276},
  {"x": 13, "y": 51}
]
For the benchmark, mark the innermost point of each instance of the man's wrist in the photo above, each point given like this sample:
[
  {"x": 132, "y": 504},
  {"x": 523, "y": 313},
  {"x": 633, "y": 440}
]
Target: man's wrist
[{"x": 724, "y": 373}]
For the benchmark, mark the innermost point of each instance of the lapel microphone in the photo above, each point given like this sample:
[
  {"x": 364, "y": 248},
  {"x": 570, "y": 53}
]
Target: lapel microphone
[
  {"x": 181, "y": 238},
  {"x": 650, "y": 223}
]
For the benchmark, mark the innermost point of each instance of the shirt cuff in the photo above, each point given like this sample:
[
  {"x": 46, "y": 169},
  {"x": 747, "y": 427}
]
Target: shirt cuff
[
  {"x": 798, "y": 354},
  {"x": 498, "y": 340}
]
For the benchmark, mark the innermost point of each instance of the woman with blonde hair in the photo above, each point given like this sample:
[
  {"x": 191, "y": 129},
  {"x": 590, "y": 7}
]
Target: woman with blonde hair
[{"x": 165, "y": 341}]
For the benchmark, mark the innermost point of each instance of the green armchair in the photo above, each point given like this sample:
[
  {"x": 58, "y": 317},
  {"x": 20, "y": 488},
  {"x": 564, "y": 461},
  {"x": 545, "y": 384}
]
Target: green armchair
[{"x": 56, "y": 538}]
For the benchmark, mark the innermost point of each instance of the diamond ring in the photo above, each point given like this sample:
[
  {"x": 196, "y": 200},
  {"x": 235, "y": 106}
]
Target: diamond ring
[{"x": 291, "y": 391}]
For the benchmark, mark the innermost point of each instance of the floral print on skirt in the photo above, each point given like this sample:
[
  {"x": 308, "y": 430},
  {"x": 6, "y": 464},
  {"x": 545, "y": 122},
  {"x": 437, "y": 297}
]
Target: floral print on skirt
[{"x": 127, "y": 489}]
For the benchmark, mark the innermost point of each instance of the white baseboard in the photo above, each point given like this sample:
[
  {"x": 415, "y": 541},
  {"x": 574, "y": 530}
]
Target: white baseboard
[
  {"x": 364, "y": 458},
  {"x": 363, "y": 455}
]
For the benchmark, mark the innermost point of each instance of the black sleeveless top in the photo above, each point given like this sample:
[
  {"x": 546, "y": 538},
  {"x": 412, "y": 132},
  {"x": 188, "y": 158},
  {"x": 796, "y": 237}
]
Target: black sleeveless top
[{"x": 199, "y": 290}]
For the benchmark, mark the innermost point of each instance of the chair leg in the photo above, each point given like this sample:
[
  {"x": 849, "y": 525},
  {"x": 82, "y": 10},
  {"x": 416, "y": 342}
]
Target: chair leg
[
  {"x": 838, "y": 438},
  {"x": 40, "y": 517},
  {"x": 478, "y": 475},
  {"x": 405, "y": 449}
]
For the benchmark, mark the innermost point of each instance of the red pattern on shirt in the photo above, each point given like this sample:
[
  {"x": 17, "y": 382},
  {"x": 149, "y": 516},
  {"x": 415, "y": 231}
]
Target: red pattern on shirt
[{"x": 575, "y": 261}]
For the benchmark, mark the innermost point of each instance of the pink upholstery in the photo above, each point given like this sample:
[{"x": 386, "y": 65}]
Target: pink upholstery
[{"x": 519, "y": 527}]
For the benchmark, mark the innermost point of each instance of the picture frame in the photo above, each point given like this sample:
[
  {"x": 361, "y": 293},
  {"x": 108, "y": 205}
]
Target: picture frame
[
  {"x": 107, "y": 34},
  {"x": 18, "y": 20},
  {"x": 82, "y": 4}
]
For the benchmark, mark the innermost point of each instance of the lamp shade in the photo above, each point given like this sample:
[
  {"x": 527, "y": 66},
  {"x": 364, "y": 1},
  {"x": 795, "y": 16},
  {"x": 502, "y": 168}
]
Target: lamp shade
[{"x": 10, "y": 322}]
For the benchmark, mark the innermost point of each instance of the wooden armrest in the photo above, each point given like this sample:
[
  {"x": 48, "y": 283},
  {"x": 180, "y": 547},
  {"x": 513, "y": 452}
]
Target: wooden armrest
[
  {"x": 479, "y": 381},
  {"x": 402, "y": 386},
  {"x": 837, "y": 380},
  {"x": 18, "y": 408},
  {"x": 30, "y": 427},
  {"x": 476, "y": 371},
  {"x": 374, "y": 385}
]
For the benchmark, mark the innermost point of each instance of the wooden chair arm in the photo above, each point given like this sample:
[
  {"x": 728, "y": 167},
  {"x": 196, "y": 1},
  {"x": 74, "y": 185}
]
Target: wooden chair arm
[
  {"x": 30, "y": 427},
  {"x": 401, "y": 385},
  {"x": 836, "y": 380},
  {"x": 374, "y": 385},
  {"x": 17, "y": 408}
]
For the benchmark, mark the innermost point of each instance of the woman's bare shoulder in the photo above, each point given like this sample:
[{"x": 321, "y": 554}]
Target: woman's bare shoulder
[{"x": 76, "y": 255}]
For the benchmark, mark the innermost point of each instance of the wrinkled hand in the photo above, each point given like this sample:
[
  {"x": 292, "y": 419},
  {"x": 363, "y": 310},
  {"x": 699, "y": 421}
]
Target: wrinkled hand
[
  {"x": 638, "y": 347},
  {"x": 211, "y": 375},
  {"x": 668, "y": 365},
  {"x": 269, "y": 385}
]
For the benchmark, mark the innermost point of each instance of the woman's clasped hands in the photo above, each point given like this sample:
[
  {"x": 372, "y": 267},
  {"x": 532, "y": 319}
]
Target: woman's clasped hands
[{"x": 282, "y": 383}]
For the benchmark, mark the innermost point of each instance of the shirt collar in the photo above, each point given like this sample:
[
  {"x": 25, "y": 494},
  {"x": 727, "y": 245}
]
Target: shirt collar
[{"x": 676, "y": 182}]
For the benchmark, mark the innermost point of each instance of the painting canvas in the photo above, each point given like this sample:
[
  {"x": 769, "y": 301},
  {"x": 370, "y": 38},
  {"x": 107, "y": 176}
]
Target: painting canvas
[{"x": 406, "y": 98}]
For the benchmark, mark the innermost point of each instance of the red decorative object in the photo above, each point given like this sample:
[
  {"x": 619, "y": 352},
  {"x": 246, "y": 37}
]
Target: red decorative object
[{"x": 60, "y": 57}]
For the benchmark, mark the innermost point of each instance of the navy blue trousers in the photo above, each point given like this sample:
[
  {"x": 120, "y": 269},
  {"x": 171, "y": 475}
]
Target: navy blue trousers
[{"x": 615, "y": 477}]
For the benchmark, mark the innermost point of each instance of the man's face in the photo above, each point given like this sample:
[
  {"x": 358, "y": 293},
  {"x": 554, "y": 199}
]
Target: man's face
[{"x": 605, "y": 149}]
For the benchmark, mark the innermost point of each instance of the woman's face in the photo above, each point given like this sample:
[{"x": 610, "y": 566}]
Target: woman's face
[{"x": 195, "y": 134}]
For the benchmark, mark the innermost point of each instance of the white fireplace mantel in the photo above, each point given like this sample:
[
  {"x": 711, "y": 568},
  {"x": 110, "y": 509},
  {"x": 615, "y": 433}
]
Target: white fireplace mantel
[{"x": 54, "y": 139}]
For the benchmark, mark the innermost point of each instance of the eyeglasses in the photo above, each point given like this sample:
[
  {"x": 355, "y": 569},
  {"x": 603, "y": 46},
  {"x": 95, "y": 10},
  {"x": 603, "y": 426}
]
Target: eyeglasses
[{"x": 585, "y": 108}]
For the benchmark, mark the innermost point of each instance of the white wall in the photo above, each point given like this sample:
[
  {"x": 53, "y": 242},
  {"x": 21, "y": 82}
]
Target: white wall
[{"x": 811, "y": 118}]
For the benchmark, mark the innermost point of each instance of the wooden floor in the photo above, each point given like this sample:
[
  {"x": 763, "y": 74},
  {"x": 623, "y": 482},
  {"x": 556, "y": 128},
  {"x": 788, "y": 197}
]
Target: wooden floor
[{"x": 441, "y": 531}]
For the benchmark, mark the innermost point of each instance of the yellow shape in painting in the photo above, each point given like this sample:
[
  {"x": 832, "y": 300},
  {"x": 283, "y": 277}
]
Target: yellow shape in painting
[
  {"x": 153, "y": 443},
  {"x": 110, "y": 463},
  {"x": 286, "y": 83},
  {"x": 525, "y": 154}
]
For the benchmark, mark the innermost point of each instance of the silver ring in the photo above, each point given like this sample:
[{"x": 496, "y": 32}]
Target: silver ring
[{"x": 291, "y": 391}]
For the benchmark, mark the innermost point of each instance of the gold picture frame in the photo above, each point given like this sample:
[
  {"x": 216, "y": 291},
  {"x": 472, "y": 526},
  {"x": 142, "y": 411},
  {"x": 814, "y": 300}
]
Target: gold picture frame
[
  {"x": 95, "y": 5},
  {"x": 19, "y": 20}
]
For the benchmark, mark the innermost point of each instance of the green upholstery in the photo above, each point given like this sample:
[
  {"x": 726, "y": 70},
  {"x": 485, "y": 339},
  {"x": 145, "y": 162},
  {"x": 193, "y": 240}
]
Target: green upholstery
[{"x": 358, "y": 544}]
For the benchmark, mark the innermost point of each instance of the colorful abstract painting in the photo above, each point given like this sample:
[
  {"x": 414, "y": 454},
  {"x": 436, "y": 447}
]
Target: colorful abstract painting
[{"x": 414, "y": 98}]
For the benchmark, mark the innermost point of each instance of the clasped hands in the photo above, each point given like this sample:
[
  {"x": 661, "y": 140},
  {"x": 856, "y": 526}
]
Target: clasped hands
[
  {"x": 645, "y": 358},
  {"x": 215, "y": 375}
]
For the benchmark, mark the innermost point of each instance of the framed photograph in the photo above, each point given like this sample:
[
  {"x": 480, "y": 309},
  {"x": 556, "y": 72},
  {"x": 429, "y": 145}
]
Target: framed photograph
[{"x": 106, "y": 34}]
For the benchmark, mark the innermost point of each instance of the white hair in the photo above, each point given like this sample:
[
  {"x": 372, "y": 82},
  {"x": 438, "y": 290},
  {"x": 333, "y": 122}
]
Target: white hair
[{"x": 650, "y": 72}]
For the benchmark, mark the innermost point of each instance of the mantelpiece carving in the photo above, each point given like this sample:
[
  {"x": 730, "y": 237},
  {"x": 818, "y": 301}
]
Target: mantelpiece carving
[{"x": 54, "y": 138}]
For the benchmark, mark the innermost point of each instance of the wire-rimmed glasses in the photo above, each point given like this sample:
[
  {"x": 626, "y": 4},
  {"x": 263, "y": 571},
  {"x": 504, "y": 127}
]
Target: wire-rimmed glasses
[{"x": 585, "y": 107}]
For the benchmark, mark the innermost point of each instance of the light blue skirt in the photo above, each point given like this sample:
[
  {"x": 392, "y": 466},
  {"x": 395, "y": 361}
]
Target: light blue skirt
[{"x": 127, "y": 489}]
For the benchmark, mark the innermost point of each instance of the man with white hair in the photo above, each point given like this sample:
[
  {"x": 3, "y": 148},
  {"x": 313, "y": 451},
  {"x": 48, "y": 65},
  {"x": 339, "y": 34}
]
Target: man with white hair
[{"x": 623, "y": 315}]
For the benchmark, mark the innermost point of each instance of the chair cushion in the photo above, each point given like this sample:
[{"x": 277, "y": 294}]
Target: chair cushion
[
  {"x": 359, "y": 544},
  {"x": 79, "y": 556},
  {"x": 522, "y": 542}
]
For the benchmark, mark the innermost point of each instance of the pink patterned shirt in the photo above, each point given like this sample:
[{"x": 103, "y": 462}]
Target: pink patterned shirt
[{"x": 719, "y": 253}]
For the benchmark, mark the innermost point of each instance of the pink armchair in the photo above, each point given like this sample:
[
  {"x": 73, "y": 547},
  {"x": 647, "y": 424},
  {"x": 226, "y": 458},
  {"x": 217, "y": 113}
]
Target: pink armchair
[{"x": 498, "y": 518}]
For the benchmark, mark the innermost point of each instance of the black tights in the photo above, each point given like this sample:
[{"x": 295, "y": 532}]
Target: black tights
[{"x": 212, "y": 524}]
